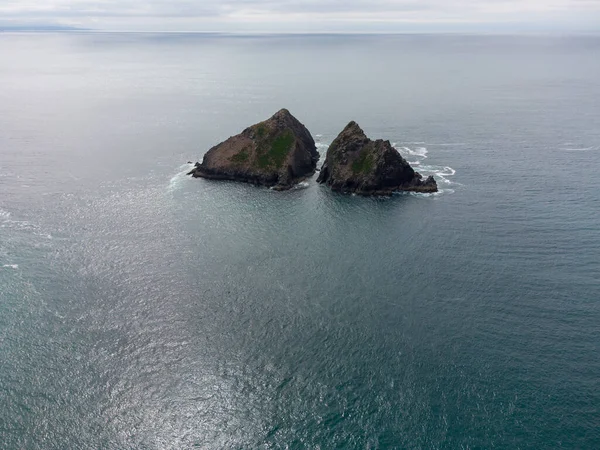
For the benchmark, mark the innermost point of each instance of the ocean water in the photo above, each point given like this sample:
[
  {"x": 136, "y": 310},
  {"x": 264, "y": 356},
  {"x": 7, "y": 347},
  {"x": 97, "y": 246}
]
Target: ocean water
[{"x": 140, "y": 308}]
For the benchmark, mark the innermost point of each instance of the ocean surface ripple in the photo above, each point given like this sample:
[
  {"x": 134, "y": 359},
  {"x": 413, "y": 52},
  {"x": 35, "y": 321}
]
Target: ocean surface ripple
[{"x": 140, "y": 308}]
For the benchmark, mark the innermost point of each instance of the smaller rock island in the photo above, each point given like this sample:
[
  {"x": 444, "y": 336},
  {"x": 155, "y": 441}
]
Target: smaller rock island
[
  {"x": 356, "y": 164},
  {"x": 278, "y": 152}
]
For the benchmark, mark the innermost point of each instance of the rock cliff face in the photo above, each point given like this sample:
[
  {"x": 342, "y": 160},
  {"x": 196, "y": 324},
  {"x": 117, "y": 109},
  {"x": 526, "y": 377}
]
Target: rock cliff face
[
  {"x": 278, "y": 152},
  {"x": 356, "y": 164}
]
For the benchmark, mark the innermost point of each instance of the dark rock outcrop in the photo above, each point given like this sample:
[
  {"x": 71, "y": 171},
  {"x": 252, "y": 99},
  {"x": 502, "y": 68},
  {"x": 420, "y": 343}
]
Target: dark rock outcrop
[
  {"x": 356, "y": 164},
  {"x": 278, "y": 152}
]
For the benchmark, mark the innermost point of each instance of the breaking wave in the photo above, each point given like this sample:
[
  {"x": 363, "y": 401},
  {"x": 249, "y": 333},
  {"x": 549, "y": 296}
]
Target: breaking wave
[
  {"x": 426, "y": 194},
  {"x": 417, "y": 155},
  {"x": 420, "y": 152},
  {"x": 581, "y": 149},
  {"x": 176, "y": 180},
  {"x": 302, "y": 185}
]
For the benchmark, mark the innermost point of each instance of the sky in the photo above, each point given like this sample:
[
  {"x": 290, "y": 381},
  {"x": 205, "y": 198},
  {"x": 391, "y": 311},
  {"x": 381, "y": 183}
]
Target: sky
[{"x": 298, "y": 16}]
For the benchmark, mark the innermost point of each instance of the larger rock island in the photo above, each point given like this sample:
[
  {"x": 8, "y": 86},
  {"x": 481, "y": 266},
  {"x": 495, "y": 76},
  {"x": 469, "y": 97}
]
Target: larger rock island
[
  {"x": 279, "y": 152},
  {"x": 356, "y": 164}
]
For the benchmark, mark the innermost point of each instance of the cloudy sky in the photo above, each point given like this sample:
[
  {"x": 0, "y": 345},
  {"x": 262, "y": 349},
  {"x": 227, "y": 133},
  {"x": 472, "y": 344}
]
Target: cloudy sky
[{"x": 307, "y": 15}]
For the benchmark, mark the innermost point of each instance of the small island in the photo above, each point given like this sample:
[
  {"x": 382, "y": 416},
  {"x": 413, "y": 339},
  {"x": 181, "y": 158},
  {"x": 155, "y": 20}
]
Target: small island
[
  {"x": 278, "y": 152},
  {"x": 356, "y": 164}
]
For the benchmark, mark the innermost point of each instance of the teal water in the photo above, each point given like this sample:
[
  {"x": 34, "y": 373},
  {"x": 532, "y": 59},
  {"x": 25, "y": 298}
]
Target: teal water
[{"x": 143, "y": 309}]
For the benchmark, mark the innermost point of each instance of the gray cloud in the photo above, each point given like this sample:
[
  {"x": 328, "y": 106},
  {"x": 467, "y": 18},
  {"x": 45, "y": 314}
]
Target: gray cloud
[{"x": 257, "y": 14}]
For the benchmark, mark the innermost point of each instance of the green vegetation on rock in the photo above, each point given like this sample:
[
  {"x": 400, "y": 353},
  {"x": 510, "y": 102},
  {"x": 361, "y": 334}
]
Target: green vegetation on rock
[
  {"x": 261, "y": 130},
  {"x": 240, "y": 157},
  {"x": 363, "y": 164},
  {"x": 276, "y": 154}
]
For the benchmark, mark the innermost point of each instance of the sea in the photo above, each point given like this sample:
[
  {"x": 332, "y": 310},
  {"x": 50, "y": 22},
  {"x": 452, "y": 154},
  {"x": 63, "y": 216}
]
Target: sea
[{"x": 144, "y": 309}]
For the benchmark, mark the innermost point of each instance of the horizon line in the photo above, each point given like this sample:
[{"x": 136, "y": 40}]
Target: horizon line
[{"x": 58, "y": 29}]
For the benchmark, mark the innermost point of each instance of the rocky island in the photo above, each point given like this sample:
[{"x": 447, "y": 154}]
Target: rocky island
[
  {"x": 356, "y": 164},
  {"x": 278, "y": 153}
]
